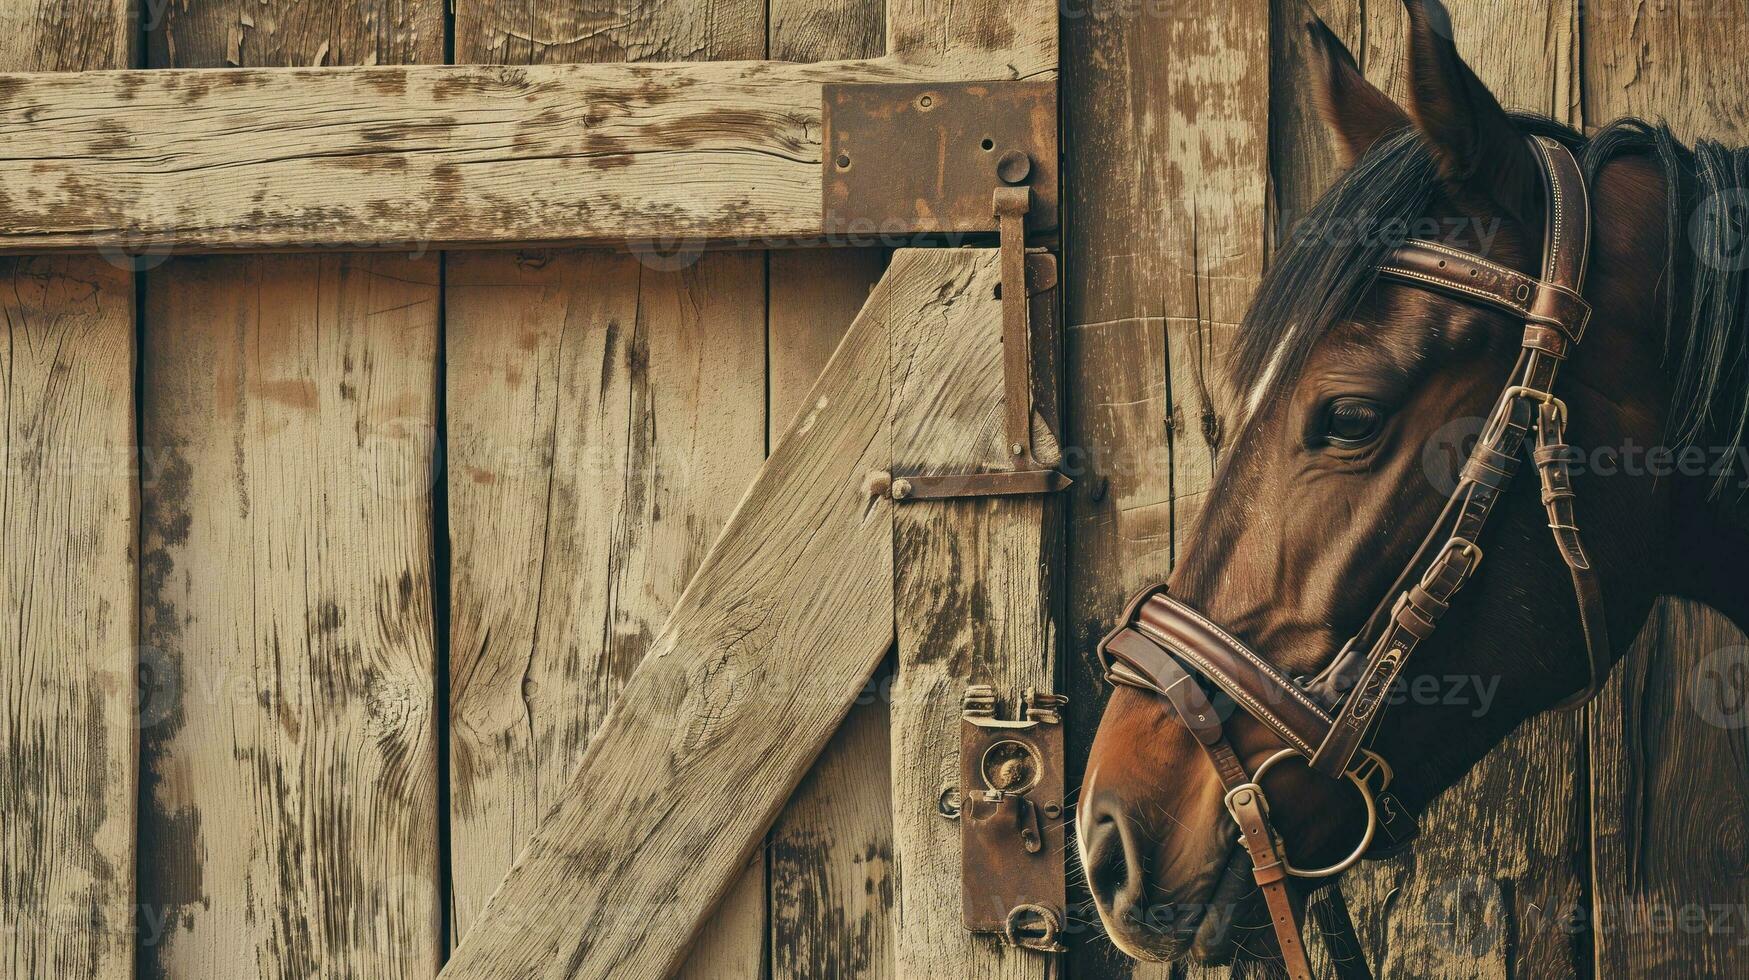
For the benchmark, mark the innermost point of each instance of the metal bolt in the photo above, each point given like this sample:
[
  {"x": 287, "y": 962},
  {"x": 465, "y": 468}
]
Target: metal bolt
[
  {"x": 1016, "y": 449},
  {"x": 926, "y": 101},
  {"x": 1053, "y": 811},
  {"x": 901, "y": 489},
  {"x": 1014, "y": 167},
  {"x": 843, "y": 161}
]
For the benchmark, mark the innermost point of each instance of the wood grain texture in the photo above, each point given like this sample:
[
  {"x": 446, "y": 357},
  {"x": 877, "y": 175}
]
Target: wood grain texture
[
  {"x": 787, "y": 617},
  {"x": 830, "y": 862},
  {"x": 1166, "y": 176},
  {"x": 1472, "y": 899},
  {"x": 290, "y": 420},
  {"x": 69, "y": 722},
  {"x": 680, "y": 425},
  {"x": 975, "y": 586},
  {"x": 830, "y": 854},
  {"x": 604, "y": 419},
  {"x": 1003, "y": 38},
  {"x": 1670, "y": 791},
  {"x": 1670, "y": 734},
  {"x": 1660, "y": 61},
  {"x": 69, "y": 714},
  {"x": 292, "y": 825},
  {"x": 393, "y": 157}
]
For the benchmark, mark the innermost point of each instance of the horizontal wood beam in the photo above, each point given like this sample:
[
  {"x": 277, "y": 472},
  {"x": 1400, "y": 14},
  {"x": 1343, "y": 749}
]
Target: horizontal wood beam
[
  {"x": 768, "y": 647},
  {"x": 425, "y": 157}
]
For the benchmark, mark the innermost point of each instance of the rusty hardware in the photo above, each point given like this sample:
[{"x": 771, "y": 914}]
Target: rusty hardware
[
  {"x": 920, "y": 158},
  {"x": 1028, "y": 373},
  {"x": 913, "y": 158},
  {"x": 1012, "y": 826}
]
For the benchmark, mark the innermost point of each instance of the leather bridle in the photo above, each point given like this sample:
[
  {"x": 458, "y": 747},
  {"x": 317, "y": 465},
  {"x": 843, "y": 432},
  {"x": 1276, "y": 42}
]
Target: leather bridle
[{"x": 1166, "y": 647}]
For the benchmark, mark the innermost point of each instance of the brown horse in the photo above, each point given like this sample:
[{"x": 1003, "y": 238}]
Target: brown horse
[{"x": 1352, "y": 385}]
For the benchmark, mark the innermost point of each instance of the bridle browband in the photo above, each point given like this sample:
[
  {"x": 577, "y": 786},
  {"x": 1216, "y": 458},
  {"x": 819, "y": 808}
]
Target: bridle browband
[{"x": 1164, "y": 646}]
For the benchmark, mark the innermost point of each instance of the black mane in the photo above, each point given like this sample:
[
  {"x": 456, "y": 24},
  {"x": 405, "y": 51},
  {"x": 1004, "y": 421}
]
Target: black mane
[{"x": 1330, "y": 261}]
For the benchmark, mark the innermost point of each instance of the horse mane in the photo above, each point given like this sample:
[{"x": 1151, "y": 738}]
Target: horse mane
[{"x": 1330, "y": 260}]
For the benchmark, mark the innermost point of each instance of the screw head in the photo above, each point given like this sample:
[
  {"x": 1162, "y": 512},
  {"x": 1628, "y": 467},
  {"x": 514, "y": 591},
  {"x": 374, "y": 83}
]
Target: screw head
[
  {"x": 901, "y": 489},
  {"x": 1016, "y": 449},
  {"x": 1014, "y": 167},
  {"x": 926, "y": 101}
]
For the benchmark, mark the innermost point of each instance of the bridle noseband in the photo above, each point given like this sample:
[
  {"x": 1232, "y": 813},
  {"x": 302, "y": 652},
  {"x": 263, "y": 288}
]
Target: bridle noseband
[{"x": 1166, "y": 647}]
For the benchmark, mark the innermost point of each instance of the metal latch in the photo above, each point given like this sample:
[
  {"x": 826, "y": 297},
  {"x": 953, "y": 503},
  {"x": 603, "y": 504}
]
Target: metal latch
[{"x": 1012, "y": 823}]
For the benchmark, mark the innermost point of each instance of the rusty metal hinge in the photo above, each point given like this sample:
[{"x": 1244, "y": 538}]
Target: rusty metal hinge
[
  {"x": 914, "y": 158},
  {"x": 1012, "y": 818}
]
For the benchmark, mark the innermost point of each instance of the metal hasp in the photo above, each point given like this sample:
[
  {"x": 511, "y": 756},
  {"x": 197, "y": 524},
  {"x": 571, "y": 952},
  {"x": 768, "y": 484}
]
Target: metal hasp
[
  {"x": 976, "y": 156},
  {"x": 920, "y": 158},
  {"x": 1012, "y": 819}
]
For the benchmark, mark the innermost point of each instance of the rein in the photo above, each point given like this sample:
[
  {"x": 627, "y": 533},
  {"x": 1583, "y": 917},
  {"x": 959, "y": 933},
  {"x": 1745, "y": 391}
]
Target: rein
[{"x": 1327, "y": 721}]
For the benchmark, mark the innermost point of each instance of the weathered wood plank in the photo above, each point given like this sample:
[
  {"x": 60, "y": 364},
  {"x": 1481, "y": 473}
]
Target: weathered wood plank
[
  {"x": 68, "y": 722},
  {"x": 677, "y": 431},
  {"x": 1472, "y": 899},
  {"x": 790, "y": 612},
  {"x": 398, "y": 157},
  {"x": 288, "y": 413},
  {"x": 69, "y": 717},
  {"x": 1670, "y": 735},
  {"x": 975, "y": 588},
  {"x": 1670, "y": 790},
  {"x": 830, "y": 860},
  {"x": 1166, "y": 183},
  {"x": 604, "y": 419},
  {"x": 830, "y": 854},
  {"x": 289, "y": 409},
  {"x": 1015, "y": 38}
]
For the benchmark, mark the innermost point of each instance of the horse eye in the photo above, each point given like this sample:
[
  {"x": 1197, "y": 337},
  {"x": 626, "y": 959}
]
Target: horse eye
[{"x": 1352, "y": 422}]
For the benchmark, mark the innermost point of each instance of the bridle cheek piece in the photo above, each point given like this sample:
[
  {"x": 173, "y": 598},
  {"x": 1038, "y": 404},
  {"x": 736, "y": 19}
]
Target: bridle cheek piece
[{"x": 1166, "y": 647}]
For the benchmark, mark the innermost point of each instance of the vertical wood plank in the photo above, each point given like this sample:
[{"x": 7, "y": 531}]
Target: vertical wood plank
[
  {"x": 1013, "y": 38},
  {"x": 789, "y": 613},
  {"x": 1166, "y": 180},
  {"x": 975, "y": 587},
  {"x": 289, "y": 822},
  {"x": 288, "y": 409},
  {"x": 831, "y": 850},
  {"x": 1669, "y": 735},
  {"x": 1477, "y": 895},
  {"x": 624, "y": 510},
  {"x": 605, "y": 420},
  {"x": 69, "y": 719}
]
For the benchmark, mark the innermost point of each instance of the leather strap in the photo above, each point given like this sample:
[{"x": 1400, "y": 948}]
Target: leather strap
[
  {"x": 1553, "y": 459},
  {"x": 1162, "y": 644},
  {"x": 1252, "y": 682},
  {"x": 1156, "y": 666}
]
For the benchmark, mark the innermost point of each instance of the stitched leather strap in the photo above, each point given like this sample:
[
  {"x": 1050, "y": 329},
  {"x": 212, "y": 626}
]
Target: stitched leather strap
[
  {"x": 1263, "y": 691},
  {"x": 1161, "y": 643}
]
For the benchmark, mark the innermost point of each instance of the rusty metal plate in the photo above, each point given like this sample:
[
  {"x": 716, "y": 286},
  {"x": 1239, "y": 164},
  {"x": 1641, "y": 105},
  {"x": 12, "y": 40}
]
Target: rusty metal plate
[
  {"x": 1013, "y": 819},
  {"x": 916, "y": 158}
]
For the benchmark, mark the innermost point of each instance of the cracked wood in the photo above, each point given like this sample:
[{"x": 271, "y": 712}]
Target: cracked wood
[
  {"x": 769, "y": 644},
  {"x": 425, "y": 157},
  {"x": 69, "y": 716}
]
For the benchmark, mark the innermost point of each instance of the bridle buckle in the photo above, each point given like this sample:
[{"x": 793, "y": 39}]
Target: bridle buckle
[{"x": 1540, "y": 396}]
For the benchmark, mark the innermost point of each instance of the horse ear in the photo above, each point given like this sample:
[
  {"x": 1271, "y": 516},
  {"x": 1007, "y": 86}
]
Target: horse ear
[
  {"x": 1481, "y": 152},
  {"x": 1354, "y": 109}
]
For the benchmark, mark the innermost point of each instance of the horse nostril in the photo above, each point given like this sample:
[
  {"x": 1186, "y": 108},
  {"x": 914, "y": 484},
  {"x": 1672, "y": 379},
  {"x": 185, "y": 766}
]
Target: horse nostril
[{"x": 1111, "y": 863}]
